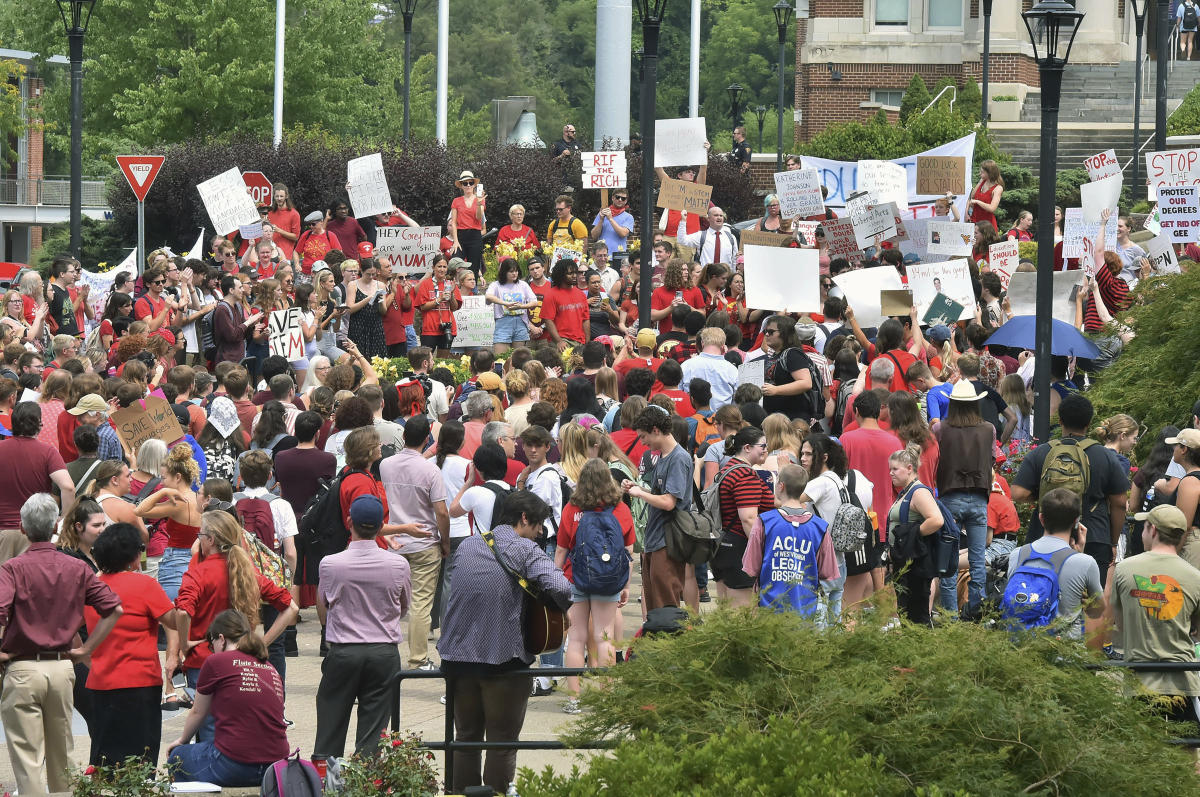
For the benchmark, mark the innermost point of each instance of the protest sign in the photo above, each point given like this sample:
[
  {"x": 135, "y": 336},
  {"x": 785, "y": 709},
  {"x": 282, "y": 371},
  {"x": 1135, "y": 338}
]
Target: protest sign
[
  {"x": 149, "y": 419},
  {"x": 806, "y": 230},
  {"x": 475, "y": 321},
  {"x": 1171, "y": 168},
  {"x": 1161, "y": 255},
  {"x": 752, "y": 372},
  {"x": 886, "y": 181},
  {"x": 250, "y": 232},
  {"x": 227, "y": 203},
  {"x": 284, "y": 334},
  {"x": 799, "y": 193},
  {"x": 952, "y": 278},
  {"x": 603, "y": 170},
  {"x": 1101, "y": 165},
  {"x": 942, "y": 310},
  {"x": 862, "y": 289},
  {"x": 1153, "y": 222},
  {"x": 949, "y": 237},
  {"x": 1022, "y": 294},
  {"x": 680, "y": 142},
  {"x": 565, "y": 253},
  {"x": 782, "y": 279},
  {"x": 1179, "y": 212},
  {"x": 1003, "y": 259},
  {"x": 1099, "y": 196},
  {"x": 840, "y": 240},
  {"x": 1075, "y": 229},
  {"x": 941, "y": 174},
  {"x": 896, "y": 302},
  {"x": 764, "y": 238},
  {"x": 410, "y": 250},
  {"x": 682, "y": 195},
  {"x": 871, "y": 221},
  {"x": 367, "y": 186},
  {"x": 918, "y": 236},
  {"x": 99, "y": 287},
  {"x": 901, "y": 230}
]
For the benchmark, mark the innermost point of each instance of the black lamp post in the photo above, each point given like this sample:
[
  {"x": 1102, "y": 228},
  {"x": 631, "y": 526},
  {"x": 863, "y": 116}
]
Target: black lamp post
[
  {"x": 735, "y": 106},
  {"x": 76, "y": 14},
  {"x": 760, "y": 111},
  {"x": 1163, "y": 46},
  {"x": 783, "y": 18},
  {"x": 651, "y": 13},
  {"x": 1139, "y": 20},
  {"x": 407, "y": 8},
  {"x": 987, "y": 57},
  {"x": 1054, "y": 23}
]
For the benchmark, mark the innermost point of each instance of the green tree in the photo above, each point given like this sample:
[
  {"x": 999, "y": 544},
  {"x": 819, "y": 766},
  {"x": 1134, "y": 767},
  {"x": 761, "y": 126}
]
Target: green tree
[
  {"x": 970, "y": 100},
  {"x": 915, "y": 98}
]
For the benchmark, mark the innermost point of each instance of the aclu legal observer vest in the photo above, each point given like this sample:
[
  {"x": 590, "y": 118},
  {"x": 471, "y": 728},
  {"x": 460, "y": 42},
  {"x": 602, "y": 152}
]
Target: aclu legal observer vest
[{"x": 788, "y": 580}]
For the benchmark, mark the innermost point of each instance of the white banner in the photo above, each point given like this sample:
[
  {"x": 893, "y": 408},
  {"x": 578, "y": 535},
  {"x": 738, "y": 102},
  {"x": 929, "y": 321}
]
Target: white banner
[
  {"x": 953, "y": 279},
  {"x": 886, "y": 180},
  {"x": 778, "y": 278},
  {"x": 799, "y": 193},
  {"x": 409, "y": 249},
  {"x": 949, "y": 238},
  {"x": 1098, "y": 196},
  {"x": 1075, "y": 229},
  {"x": 603, "y": 170},
  {"x": 841, "y": 177},
  {"x": 1179, "y": 212},
  {"x": 1171, "y": 168},
  {"x": 680, "y": 142},
  {"x": 227, "y": 203},
  {"x": 100, "y": 285},
  {"x": 476, "y": 322},
  {"x": 285, "y": 336},
  {"x": 862, "y": 288},
  {"x": 1101, "y": 165},
  {"x": 1003, "y": 259},
  {"x": 367, "y": 186}
]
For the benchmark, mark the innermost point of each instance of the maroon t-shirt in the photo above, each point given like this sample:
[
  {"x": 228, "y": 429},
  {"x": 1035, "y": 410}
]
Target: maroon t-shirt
[
  {"x": 297, "y": 470},
  {"x": 25, "y": 468},
  {"x": 247, "y": 706}
]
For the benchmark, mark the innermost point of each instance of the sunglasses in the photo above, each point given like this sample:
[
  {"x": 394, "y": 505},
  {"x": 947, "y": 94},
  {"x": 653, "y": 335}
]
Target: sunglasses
[
  {"x": 263, "y": 212},
  {"x": 159, "y": 282},
  {"x": 620, "y": 199},
  {"x": 468, "y": 182}
]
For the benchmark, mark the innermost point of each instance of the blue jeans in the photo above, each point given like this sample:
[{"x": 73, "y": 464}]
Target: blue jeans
[
  {"x": 410, "y": 337},
  {"x": 204, "y": 762},
  {"x": 170, "y": 569},
  {"x": 208, "y": 726},
  {"x": 555, "y": 658},
  {"x": 831, "y": 595},
  {"x": 970, "y": 512}
]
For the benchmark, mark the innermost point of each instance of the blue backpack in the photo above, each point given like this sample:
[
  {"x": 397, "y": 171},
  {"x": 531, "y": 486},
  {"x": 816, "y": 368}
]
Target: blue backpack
[
  {"x": 941, "y": 558},
  {"x": 599, "y": 561},
  {"x": 1031, "y": 595}
]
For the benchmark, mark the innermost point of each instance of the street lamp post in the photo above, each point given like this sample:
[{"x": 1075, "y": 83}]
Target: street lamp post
[
  {"x": 1139, "y": 21},
  {"x": 1163, "y": 8},
  {"x": 1055, "y": 22},
  {"x": 760, "y": 111},
  {"x": 407, "y": 9},
  {"x": 783, "y": 18},
  {"x": 735, "y": 106},
  {"x": 651, "y": 13},
  {"x": 76, "y": 14},
  {"x": 987, "y": 56}
]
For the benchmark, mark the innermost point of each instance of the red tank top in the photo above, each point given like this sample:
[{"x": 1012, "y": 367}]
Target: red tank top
[{"x": 180, "y": 535}]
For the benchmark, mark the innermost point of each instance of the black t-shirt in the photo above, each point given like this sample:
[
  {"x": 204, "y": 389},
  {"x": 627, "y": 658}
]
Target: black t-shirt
[
  {"x": 741, "y": 152},
  {"x": 562, "y": 145},
  {"x": 1107, "y": 478},
  {"x": 992, "y": 407},
  {"x": 62, "y": 311},
  {"x": 778, "y": 371}
]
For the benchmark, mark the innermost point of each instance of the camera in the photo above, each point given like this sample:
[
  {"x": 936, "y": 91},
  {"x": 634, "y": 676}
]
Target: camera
[{"x": 447, "y": 329}]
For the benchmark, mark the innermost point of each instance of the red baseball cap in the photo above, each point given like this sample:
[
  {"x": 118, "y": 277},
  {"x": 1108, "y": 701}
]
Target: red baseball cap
[{"x": 365, "y": 249}]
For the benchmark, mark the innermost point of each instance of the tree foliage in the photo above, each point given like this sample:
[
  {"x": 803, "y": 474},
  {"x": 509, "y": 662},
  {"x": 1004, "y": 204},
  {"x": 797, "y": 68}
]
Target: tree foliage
[
  {"x": 1185, "y": 121},
  {"x": 915, "y": 98}
]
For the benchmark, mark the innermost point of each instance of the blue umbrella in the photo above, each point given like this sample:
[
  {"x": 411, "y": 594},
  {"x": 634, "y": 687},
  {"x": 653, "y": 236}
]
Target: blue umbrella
[{"x": 1065, "y": 340}]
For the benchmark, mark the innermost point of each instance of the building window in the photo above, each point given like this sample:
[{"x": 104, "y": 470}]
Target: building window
[
  {"x": 945, "y": 13},
  {"x": 890, "y": 97},
  {"x": 891, "y": 12}
]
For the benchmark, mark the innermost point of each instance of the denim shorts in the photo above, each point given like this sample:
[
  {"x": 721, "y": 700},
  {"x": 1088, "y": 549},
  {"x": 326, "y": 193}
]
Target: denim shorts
[
  {"x": 170, "y": 569},
  {"x": 580, "y": 597},
  {"x": 510, "y": 329}
]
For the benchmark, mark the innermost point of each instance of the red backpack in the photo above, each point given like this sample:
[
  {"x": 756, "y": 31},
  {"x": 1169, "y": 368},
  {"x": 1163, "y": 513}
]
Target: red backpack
[{"x": 255, "y": 516}]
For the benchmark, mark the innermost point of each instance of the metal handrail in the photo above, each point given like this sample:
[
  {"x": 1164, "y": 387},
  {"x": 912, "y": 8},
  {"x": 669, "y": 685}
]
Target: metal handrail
[{"x": 938, "y": 96}]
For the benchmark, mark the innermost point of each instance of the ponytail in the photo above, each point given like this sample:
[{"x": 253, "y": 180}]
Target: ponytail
[{"x": 234, "y": 626}]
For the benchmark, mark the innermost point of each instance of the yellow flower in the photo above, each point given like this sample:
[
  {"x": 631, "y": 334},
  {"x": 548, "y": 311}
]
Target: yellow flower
[
  {"x": 101, "y": 266},
  {"x": 184, "y": 254}
]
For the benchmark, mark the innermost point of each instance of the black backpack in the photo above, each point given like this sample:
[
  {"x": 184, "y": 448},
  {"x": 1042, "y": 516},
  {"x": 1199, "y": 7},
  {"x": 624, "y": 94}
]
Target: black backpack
[
  {"x": 1189, "y": 15},
  {"x": 815, "y": 397},
  {"x": 324, "y": 517},
  {"x": 502, "y": 494}
]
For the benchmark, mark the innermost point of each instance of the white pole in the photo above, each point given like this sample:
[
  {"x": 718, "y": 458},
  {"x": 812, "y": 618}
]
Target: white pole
[
  {"x": 443, "y": 67},
  {"x": 280, "y": 16},
  {"x": 694, "y": 65},
  {"x": 614, "y": 23}
]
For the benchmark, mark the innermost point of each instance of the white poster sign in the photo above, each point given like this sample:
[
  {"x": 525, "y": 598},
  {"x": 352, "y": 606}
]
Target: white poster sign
[
  {"x": 1101, "y": 165},
  {"x": 799, "y": 193},
  {"x": 1022, "y": 294},
  {"x": 949, "y": 238},
  {"x": 228, "y": 204},
  {"x": 778, "y": 278},
  {"x": 862, "y": 288},
  {"x": 1161, "y": 255},
  {"x": 285, "y": 335},
  {"x": 475, "y": 321},
  {"x": 1075, "y": 229},
  {"x": 100, "y": 286},
  {"x": 409, "y": 249},
  {"x": 752, "y": 372},
  {"x": 1179, "y": 212},
  {"x": 603, "y": 170},
  {"x": 1171, "y": 168},
  {"x": 1003, "y": 259},
  {"x": 951, "y": 278},
  {"x": 680, "y": 142},
  {"x": 1100, "y": 195},
  {"x": 840, "y": 240},
  {"x": 872, "y": 223},
  {"x": 886, "y": 180},
  {"x": 367, "y": 186},
  {"x": 918, "y": 238}
]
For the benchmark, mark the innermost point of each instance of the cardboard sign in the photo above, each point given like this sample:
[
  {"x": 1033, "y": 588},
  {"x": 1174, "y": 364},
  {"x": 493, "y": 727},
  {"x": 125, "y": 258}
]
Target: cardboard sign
[
  {"x": 1100, "y": 196},
  {"x": 942, "y": 310},
  {"x": 680, "y": 142},
  {"x": 1022, "y": 294},
  {"x": 1075, "y": 229},
  {"x": 1171, "y": 168},
  {"x": 941, "y": 174},
  {"x": 1161, "y": 255},
  {"x": 150, "y": 419},
  {"x": 410, "y": 250},
  {"x": 682, "y": 195},
  {"x": 896, "y": 302},
  {"x": 757, "y": 238},
  {"x": 1101, "y": 165},
  {"x": 367, "y": 186},
  {"x": 286, "y": 338},
  {"x": 1003, "y": 259},
  {"x": 227, "y": 203},
  {"x": 949, "y": 237},
  {"x": 476, "y": 323},
  {"x": 862, "y": 289},
  {"x": 1179, "y": 212},
  {"x": 886, "y": 181},
  {"x": 840, "y": 240},
  {"x": 782, "y": 279},
  {"x": 799, "y": 193},
  {"x": 952, "y": 278},
  {"x": 603, "y": 170}
]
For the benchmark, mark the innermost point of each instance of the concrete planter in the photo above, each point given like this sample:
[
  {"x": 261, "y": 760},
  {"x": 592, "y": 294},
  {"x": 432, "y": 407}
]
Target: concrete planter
[{"x": 1005, "y": 110}]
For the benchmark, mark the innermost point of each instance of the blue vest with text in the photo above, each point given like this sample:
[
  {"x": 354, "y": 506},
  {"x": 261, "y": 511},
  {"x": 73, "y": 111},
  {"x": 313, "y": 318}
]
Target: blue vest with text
[{"x": 788, "y": 579}]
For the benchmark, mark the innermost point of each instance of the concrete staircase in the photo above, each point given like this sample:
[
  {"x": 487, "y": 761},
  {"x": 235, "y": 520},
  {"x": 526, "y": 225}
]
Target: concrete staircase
[{"x": 1095, "y": 114}]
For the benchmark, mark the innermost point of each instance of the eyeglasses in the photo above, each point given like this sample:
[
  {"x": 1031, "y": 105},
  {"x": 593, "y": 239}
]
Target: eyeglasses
[
  {"x": 560, "y": 209},
  {"x": 762, "y": 445},
  {"x": 770, "y": 331},
  {"x": 263, "y": 211},
  {"x": 158, "y": 282},
  {"x": 620, "y": 199},
  {"x": 229, "y": 254}
]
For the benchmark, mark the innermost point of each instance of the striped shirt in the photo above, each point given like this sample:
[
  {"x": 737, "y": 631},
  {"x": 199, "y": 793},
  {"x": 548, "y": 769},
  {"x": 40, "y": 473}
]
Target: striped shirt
[
  {"x": 1115, "y": 293},
  {"x": 742, "y": 488}
]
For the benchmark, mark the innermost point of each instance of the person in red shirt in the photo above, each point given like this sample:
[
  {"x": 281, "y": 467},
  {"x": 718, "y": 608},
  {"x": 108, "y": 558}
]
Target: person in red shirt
[
  {"x": 565, "y": 307},
  {"x": 518, "y": 230},
  {"x": 154, "y": 307},
  {"x": 670, "y": 373},
  {"x": 313, "y": 243},
  {"x": 644, "y": 357},
  {"x": 438, "y": 298},
  {"x": 676, "y": 289},
  {"x": 743, "y": 497},
  {"x": 285, "y": 219},
  {"x": 687, "y": 174},
  {"x": 466, "y": 221}
]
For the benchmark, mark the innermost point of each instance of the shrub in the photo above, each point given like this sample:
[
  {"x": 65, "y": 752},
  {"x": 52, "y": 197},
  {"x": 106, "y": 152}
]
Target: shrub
[
  {"x": 1028, "y": 250},
  {"x": 956, "y": 709},
  {"x": 401, "y": 767},
  {"x": 970, "y": 100},
  {"x": 133, "y": 777},
  {"x": 1004, "y": 98},
  {"x": 1185, "y": 121},
  {"x": 915, "y": 98}
]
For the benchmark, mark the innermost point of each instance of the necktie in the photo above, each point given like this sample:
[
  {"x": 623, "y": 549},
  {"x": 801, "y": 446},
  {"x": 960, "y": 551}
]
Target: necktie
[{"x": 717, "y": 248}]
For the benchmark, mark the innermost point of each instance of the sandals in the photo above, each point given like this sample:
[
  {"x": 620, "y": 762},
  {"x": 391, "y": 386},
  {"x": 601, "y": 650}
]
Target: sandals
[{"x": 174, "y": 702}]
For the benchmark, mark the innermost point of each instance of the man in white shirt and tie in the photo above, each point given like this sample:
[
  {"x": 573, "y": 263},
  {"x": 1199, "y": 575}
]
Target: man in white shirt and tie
[{"x": 717, "y": 244}]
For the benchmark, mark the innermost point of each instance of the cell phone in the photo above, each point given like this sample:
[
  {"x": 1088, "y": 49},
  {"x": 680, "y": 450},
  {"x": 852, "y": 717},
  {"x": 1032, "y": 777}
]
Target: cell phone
[
  {"x": 478, "y": 189},
  {"x": 343, "y": 307}
]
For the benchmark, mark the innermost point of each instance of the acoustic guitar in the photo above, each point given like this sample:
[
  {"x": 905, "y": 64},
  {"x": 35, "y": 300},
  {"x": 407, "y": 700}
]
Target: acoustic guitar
[{"x": 543, "y": 624}]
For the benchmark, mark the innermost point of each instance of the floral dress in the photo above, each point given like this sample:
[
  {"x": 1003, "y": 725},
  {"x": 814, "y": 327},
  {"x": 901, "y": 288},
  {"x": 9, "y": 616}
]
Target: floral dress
[{"x": 366, "y": 329}]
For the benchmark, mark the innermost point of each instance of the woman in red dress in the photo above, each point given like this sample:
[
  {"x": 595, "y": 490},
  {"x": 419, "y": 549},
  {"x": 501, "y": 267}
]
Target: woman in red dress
[{"x": 985, "y": 197}]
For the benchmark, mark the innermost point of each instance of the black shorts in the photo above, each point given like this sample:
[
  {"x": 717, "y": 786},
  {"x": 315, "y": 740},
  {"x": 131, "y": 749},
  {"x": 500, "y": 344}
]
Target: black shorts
[
  {"x": 727, "y": 562},
  {"x": 435, "y": 342},
  {"x": 866, "y": 558}
]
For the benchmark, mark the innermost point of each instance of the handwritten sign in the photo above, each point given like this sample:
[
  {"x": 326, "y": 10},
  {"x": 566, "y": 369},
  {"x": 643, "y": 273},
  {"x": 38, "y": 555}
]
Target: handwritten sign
[
  {"x": 1003, "y": 259},
  {"x": 1171, "y": 168},
  {"x": 682, "y": 195},
  {"x": 285, "y": 335},
  {"x": 756, "y": 238},
  {"x": 410, "y": 250},
  {"x": 603, "y": 170},
  {"x": 680, "y": 142},
  {"x": 251, "y": 232},
  {"x": 1101, "y": 165},
  {"x": 150, "y": 419},
  {"x": 1179, "y": 212},
  {"x": 887, "y": 181},
  {"x": 565, "y": 253},
  {"x": 806, "y": 232},
  {"x": 840, "y": 240},
  {"x": 949, "y": 237},
  {"x": 940, "y": 174},
  {"x": 1100, "y": 196},
  {"x": 368, "y": 186},
  {"x": 799, "y": 193},
  {"x": 875, "y": 221},
  {"x": 227, "y": 203},
  {"x": 475, "y": 322},
  {"x": 752, "y": 372},
  {"x": 1161, "y": 255},
  {"x": 953, "y": 279},
  {"x": 1075, "y": 229},
  {"x": 782, "y": 279}
]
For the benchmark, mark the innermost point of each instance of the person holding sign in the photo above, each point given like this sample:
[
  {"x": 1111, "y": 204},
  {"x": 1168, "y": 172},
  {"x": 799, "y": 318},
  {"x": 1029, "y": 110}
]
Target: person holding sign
[
  {"x": 466, "y": 220},
  {"x": 985, "y": 196},
  {"x": 689, "y": 174},
  {"x": 511, "y": 299},
  {"x": 438, "y": 299},
  {"x": 614, "y": 223},
  {"x": 1106, "y": 269},
  {"x": 1133, "y": 257}
]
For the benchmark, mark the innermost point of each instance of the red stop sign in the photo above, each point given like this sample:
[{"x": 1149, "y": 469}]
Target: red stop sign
[{"x": 259, "y": 185}]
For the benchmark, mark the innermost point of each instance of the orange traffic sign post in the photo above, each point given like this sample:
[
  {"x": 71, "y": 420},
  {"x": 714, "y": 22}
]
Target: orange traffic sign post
[{"x": 140, "y": 171}]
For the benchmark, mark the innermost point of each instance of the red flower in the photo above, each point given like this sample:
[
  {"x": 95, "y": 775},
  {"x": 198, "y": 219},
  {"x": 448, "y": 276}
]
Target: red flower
[
  {"x": 397, "y": 742},
  {"x": 89, "y": 771},
  {"x": 650, "y": 707},
  {"x": 378, "y": 783}
]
